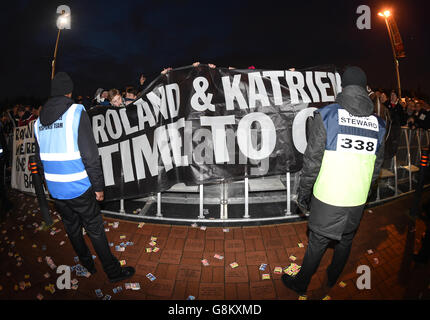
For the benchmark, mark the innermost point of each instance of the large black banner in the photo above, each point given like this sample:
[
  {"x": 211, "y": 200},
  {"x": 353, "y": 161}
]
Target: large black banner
[{"x": 201, "y": 125}]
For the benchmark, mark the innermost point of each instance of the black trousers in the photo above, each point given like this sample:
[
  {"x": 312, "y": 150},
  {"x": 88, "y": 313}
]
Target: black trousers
[
  {"x": 84, "y": 211},
  {"x": 316, "y": 248}
]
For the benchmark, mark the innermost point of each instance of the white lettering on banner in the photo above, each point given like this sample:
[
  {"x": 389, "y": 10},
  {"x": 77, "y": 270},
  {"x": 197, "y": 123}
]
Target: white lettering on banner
[
  {"x": 217, "y": 137},
  {"x": 126, "y": 123},
  {"x": 144, "y": 114},
  {"x": 159, "y": 104},
  {"x": 23, "y": 148},
  {"x": 338, "y": 83},
  {"x": 201, "y": 145},
  {"x": 276, "y": 86},
  {"x": 255, "y": 145},
  {"x": 311, "y": 86},
  {"x": 231, "y": 147},
  {"x": 299, "y": 128},
  {"x": 127, "y": 166},
  {"x": 347, "y": 119},
  {"x": 141, "y": 146},
  {"x": 257, "y": 91},
  {"x": 112, "y": 114},
  {"x": 217, "y": 125},
  {"x": 332, "y": 78},
  {"x": 232, "y": 92},
  {"x": 106, "y": 156},
  {"x": 99, "y": 123},
  {"x": 268, "y": 136},
  {"x": 296, "y": 88},
  {"x": 323, "y": 86},
  {"x": 171, "y": 101},
  {"x": 176, "y": 142},
  {"x": 356, "y": 144},
  {"x": 200, "y": 85}
]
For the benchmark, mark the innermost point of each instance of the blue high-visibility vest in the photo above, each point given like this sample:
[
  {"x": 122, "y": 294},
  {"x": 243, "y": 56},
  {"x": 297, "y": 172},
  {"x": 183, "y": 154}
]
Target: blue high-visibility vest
[{"x": 65, "y": 173}]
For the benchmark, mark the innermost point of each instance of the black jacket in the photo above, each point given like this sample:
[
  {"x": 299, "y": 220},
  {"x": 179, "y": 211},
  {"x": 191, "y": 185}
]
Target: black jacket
[
  {"x": 51, "y": 111},
  {"x": 397, "y": 113},
  {"x": 356, "y": 101}
]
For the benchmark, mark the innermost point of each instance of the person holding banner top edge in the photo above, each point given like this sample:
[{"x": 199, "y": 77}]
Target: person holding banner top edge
[
  {"x": 67, "y": 154},
  {"x": 342, "y": 160}
]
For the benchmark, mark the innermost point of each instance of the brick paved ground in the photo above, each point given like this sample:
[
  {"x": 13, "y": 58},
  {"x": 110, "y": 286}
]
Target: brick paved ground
[{"x": 180, "y": 273}]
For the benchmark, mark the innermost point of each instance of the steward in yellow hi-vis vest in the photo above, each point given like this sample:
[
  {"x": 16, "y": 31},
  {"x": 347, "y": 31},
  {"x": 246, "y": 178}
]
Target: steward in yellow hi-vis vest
[{"x": 342, "y": 160}]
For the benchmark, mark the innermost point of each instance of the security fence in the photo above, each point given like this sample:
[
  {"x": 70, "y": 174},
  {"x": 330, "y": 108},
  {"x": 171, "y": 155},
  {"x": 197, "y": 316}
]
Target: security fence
[
  {"x": 260, "y": 200},
  {"x": 267, "y": 199}
]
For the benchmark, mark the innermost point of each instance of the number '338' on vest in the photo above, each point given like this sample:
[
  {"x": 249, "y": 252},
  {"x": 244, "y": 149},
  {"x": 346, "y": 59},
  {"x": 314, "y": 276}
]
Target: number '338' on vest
[
  {"x": 65, "y": 173},
  {"x": 349, "y": 157}
]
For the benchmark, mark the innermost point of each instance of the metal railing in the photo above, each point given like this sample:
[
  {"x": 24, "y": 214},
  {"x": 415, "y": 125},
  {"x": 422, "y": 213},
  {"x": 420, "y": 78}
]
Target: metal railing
[{"x": 396, "y": 180}]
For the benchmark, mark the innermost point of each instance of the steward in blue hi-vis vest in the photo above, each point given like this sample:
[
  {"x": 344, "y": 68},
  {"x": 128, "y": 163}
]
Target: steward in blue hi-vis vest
[{"x": 65, "y": 173}]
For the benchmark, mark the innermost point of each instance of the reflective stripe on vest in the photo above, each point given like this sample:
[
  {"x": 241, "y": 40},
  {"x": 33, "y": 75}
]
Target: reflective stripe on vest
[
  {"x": 64, "y": 170},
  {"x": 348, "y": 162}
]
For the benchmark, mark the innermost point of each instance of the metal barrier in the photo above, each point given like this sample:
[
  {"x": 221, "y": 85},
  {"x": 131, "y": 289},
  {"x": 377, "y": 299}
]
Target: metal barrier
[{"x": 396, "y": 179}]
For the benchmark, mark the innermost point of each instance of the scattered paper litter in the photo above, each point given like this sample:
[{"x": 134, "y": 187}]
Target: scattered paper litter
[
  {"x": 277, "y": 270},
  {"x": 151, "y": 277},
  {"x": 292, "y": 269}
]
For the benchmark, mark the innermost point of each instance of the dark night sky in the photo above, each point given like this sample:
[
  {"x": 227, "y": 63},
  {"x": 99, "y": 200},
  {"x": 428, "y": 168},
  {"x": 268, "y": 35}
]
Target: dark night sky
[{"x": 112, "y": 42}]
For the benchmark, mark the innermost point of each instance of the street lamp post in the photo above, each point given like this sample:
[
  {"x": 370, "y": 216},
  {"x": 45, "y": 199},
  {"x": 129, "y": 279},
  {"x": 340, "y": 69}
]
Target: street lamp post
[
  {"x": 386, "y": 14},
  {"x": 63, "y": 22},
  {"x": 55, "y": 54}
]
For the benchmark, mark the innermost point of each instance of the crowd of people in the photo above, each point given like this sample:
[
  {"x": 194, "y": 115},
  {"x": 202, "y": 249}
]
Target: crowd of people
[
  {"x": 23, "y": 114},
  {"x": 407, "y": 111}
]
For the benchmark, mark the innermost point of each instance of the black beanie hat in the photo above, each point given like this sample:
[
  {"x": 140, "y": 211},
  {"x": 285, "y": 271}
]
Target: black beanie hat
[
  {"x": 61, "y": 85},
  {"x": 354, "y": 76}
]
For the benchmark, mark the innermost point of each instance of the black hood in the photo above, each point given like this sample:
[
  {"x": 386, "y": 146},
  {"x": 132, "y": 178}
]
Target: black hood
[
  {"x": 54, "y": 108},
  {"x": 356, "y": 101}
]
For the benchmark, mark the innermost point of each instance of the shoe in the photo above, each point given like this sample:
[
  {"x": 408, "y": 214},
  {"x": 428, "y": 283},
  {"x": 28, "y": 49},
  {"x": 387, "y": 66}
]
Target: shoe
[
  {"x": 126, "y": 272},
  {"x": 91, "y": 270},
  {"x": 288, "y": 281}
]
